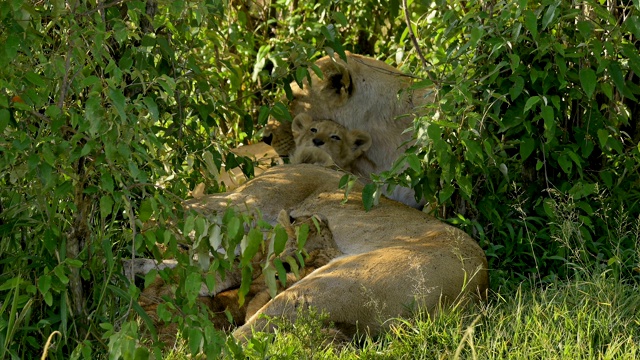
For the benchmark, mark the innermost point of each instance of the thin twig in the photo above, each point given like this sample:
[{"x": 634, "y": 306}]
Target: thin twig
[{"x": 414, "y": 40}]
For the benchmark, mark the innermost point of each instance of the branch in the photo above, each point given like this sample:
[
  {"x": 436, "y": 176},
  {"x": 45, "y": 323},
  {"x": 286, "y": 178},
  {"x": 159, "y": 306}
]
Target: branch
[{"x": 414, "y": 40}]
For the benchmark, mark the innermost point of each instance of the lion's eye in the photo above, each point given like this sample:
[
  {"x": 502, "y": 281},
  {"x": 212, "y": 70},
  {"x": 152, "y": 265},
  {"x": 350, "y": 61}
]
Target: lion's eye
[
  {"x": 313, "y": 130},
  {"x": 335, "y": 137}
]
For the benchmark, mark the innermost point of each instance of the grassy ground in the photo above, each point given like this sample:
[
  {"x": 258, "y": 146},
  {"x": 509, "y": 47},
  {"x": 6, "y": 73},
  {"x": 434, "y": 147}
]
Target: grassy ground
[{"x": 595, "y": 317}]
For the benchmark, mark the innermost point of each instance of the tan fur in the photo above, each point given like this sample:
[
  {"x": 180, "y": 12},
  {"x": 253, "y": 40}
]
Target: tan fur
[
  {"x": 324, "y": 142},
  {"x": 364, "y": 94},
  {"x": 394, "y": 257}
]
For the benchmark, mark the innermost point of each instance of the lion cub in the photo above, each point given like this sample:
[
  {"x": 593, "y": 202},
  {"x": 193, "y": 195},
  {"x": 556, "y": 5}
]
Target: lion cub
[{"x": 327, "y": 143}]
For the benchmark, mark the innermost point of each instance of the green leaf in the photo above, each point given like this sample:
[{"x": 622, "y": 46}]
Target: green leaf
[
  {"x": 189, "y": 224},
  {"x": 631, "y": 53},
  {"x": 107, "y": 248},
  {"x": 263, "y": 115},
  {"x": 270, "y": 279},
  {"x": 516, "y": 88},
  {"x": 607, "y": 178},
  {"x": 368, "y": 196},
  {"x": 253, "y": 243},
  {"x": 94, "y": 113},
  {"x": 210, "y": 281},
  {"x": 35, "y": 79},
  {"x": 201, "y": 227},
  {"x": 44, "y": 283},
  {"x": 329, "y": 32},
  {"x": 106, "y": 206},
  {"x": 474, "y": 150},
  {"x": 422, "y": 84},
  {"x": 632, "y": 24},
  {"x": 59, "y": 271},
  {"x": 414, "y": 162},
  {"x": 282, "y": 272},
  {"x": 603, "y": 137},
  {"x": 527, "y": 145},
  {"x": 585, "y": 28},
  {"x": 565, "y": 163},
  {"x": 301, "y": 74},
  {"x": 548, "y": 116},
  {"x": 279, "y": 240},
  {"x": 106, "y": 182},
  {"x": 532, "y": 101},
  {"x": 146, "y": 209},
  {"x": 195, "y": 340},
  {"x": 576, "y": 159},
  {"x": 446, "y": 193},
  {"x": 141, "y": 353},
  {"x": 5, "y": 116},
  {"x": 118, "y": 101},
  {"x": 247, "y": 277},
  {"x": 281, "y": 113},
  {"x": 340, "y": 18},
  {"x": 293, "y": 266},
  {"x": 588, "y": 81},
  {"x": 11, "y": 284},
  {"x": 581, "y": 190},
  {"x": 346, "y": 182},
  {"x": 48, "y": 298},
  {"x": 476, "y": 34},
  {"x": 515, "y": 62},
  {"x": 152, "y": 107},
  {"x": 549, "y": 15},
  {"x": 234, "y": 230},
  {"x": 618, "y": 79},
  {"x": 531, "y": 23},
  {"x": 464, "y": 182},
  {"x": 303, "y": 233},
  {"x": 192, "y": 285}
]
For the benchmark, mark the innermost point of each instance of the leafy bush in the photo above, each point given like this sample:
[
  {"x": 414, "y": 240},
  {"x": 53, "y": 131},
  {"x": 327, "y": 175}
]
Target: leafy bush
[
  {"x": 535, "y": 101},
  {"x": 110, "y": 113}
]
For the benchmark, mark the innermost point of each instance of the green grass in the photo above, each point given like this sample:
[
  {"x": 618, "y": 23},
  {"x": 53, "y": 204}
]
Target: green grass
[{"x": 595, "y": 317}]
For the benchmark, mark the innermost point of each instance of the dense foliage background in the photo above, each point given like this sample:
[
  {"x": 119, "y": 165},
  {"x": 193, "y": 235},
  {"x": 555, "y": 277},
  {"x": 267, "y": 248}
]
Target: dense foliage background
[{"x": 112, "y": 112}]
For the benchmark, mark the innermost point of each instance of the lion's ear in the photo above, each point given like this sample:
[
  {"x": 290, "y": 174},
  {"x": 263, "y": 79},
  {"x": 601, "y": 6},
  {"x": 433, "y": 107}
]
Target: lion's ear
[
  {"x": 300, "y": 123},
  {"x": 338, "y": 80},
  {"x": 360, "y": 142}
]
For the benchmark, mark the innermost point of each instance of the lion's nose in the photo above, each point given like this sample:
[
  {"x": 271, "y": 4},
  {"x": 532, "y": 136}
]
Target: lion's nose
[{"x": 318, "y": 142}]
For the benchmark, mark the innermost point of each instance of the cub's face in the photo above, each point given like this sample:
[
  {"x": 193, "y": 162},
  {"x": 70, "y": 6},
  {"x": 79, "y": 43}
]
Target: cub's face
[{"x": 341, "y": 144}]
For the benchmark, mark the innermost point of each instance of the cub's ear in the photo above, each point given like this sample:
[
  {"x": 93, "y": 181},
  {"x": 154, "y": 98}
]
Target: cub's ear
[
  {"x": 300, "y": 123},
  {"x": 360, "y": 141}
]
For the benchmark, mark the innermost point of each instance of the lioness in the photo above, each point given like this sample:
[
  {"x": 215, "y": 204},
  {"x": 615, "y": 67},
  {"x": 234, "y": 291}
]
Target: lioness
[
  {"x": 324, "y": 142},
  {"x": 394, "y": 257},
  {"x": 364, "y": 94}
]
